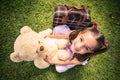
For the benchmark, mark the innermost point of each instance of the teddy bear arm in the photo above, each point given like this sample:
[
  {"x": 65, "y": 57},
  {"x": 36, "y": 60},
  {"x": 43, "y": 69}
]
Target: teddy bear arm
[{"x": 45, "y": 33}]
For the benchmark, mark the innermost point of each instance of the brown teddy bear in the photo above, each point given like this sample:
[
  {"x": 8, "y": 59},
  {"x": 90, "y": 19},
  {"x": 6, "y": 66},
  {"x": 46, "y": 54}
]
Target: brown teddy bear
[{"x": 33, "y": 46}]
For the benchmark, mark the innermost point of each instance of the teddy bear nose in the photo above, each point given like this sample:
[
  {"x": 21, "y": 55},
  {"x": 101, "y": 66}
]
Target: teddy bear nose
[{"x": 41, "y": 48}]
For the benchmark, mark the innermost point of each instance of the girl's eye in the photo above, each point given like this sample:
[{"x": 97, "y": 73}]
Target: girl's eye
[
  {"x": 87, "y": 48},
  {"x": 81, "y": 39}
]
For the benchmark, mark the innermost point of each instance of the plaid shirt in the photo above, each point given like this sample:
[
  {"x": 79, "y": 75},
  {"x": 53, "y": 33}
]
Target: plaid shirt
[{"x": 74, "y": 16}]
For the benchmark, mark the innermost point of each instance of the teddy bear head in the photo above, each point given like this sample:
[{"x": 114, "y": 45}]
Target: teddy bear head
[{"x": 47, "y": 46}]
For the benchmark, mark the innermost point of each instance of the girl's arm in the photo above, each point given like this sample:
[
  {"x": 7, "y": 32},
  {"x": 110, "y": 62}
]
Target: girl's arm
[
  {"x": 60, "y": 62},
  {"x": 59, "y": 36}
]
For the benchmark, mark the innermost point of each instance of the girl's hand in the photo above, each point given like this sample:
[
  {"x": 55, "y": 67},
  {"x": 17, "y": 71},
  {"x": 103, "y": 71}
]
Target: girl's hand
[
  {"x": 75, "y": 61},
  {"x": 59, "y": 62},
  {"x": 47, "y": 60}
]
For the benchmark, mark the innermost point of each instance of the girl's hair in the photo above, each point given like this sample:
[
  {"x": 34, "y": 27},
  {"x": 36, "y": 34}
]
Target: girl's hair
[{"x": 99, "y": 38}]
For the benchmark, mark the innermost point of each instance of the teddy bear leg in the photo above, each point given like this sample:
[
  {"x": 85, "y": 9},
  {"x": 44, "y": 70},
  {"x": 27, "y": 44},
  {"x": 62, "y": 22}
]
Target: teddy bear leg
[
  {"x": 63, "y": 55},
  {"x": 15, "y": 57},
  {"x": 40, "y": 63}
]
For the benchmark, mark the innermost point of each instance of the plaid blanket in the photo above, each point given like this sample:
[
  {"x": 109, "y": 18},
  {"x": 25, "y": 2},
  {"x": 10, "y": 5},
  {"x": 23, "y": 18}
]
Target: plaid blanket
[{"x": 76, "y": 18}]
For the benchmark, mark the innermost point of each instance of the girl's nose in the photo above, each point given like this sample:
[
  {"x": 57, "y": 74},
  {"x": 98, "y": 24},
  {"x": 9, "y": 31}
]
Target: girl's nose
[{"x": 78, "y": 47}]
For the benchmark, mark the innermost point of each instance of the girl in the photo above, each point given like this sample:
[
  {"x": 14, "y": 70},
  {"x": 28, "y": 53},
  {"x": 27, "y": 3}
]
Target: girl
[{"x": 83, "y": 44}]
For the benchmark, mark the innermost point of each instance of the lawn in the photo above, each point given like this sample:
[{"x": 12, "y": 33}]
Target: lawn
[{"x": 38, "y": 14}]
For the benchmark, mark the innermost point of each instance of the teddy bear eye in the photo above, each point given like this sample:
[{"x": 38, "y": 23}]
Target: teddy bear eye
[
  {"x": 36, "y": 51},
  {"x": 39, "y": 42}
]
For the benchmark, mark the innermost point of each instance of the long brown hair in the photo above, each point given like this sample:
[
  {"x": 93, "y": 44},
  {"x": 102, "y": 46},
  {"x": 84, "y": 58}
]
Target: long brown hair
[{"x": 97, "y": 50}]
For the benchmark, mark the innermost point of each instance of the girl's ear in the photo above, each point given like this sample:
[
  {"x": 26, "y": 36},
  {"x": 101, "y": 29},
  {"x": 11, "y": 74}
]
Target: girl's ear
[{"x": 91, "y": 52}]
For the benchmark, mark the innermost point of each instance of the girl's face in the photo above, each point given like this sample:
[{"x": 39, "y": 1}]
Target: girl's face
[{"x": 84, "y": 43}]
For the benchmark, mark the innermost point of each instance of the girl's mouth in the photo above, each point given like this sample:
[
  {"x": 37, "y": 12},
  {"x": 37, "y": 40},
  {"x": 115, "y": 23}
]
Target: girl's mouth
[{"x": 76, "y": 49}]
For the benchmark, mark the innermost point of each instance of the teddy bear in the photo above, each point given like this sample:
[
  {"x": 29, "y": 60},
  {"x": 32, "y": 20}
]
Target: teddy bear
[{"x": 33, "y": 46}]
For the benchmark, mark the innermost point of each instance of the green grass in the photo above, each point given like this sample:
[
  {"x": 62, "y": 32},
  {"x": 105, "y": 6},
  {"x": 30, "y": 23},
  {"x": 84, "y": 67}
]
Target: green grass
[{"x": 38, "y": 14}]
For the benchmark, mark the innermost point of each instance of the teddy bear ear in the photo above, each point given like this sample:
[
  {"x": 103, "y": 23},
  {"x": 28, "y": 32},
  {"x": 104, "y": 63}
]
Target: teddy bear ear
[
  {"x": 25, "y": 29},
  {"x": 15, "y": 57}
]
